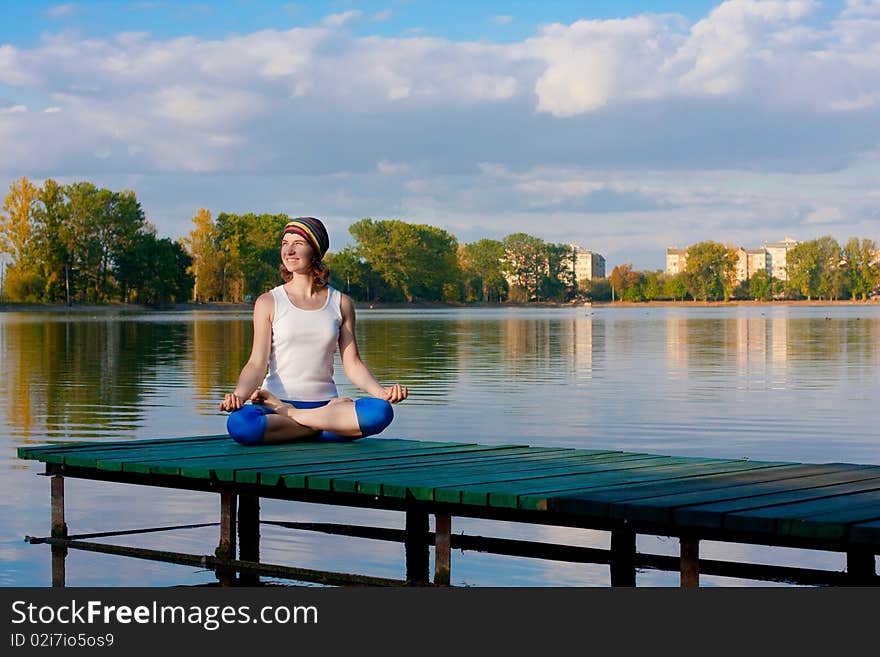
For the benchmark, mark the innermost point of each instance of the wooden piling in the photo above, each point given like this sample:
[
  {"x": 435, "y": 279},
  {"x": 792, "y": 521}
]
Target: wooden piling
[
  {"x": 690, "y": 562},
  {"x": 249, "y": 535},
  {"x": 623, "y": 557},
  {"x": 59, "y": 530},
  {"x": 226, "y": 547},
  {"x": 442, "y": 543},
  {"x": 416, "y": 546}
]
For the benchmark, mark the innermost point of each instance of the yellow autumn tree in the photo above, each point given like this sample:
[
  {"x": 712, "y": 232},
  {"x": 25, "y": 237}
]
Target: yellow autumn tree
[{"x": 207, "y": 260}]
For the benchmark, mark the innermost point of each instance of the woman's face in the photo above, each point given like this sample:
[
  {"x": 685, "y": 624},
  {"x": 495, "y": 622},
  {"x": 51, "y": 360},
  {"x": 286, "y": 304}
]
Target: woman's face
[{"x": 296, "y": 253}]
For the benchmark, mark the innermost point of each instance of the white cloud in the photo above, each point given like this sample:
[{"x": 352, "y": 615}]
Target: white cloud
[
  {"x": 62, "y": 11},
  {"x": 502, "y": 19},
  {"x": 827, "y": 215},
  {"x": 338, "y": 20}
]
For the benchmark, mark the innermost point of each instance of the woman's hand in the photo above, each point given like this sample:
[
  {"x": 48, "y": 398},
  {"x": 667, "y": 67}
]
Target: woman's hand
[
  {"x": 263, "y": 396},
  {"x": 396, "y": 393},
  {"x": 231, "y": 402}
]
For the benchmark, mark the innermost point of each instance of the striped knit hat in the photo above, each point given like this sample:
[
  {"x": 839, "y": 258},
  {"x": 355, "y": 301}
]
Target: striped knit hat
[{"x": 313, "y": 230}]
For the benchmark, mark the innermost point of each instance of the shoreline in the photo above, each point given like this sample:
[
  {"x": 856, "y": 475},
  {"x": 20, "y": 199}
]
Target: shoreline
[{"x": 248, "y": 307}]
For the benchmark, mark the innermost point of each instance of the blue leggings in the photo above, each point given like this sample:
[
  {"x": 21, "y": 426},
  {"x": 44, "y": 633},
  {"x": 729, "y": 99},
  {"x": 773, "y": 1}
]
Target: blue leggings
[{"x": 247, "y": 425}]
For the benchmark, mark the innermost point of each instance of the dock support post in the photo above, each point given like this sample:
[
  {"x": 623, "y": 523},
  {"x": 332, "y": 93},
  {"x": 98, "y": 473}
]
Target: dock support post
[
  {"x": 249, "y": 535},
  {"x": 623, "y": 557},
  {"x": 690, "y": 561},
  {"x": 442, "y": 542},
  {"x": 226, "y": 547},
  {"x": 59, "y": 530},
  {"x": 860, "y": 567},
  {"x": 416, "y": 546}
]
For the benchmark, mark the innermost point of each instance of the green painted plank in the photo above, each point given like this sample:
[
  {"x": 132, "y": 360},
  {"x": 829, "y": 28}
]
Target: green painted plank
[
  {"x": 272, "y": 475},
  {"x": 532, "y": 499},
  {"x": 762, "y": 514},
  {"x": 371, "y": 482},
  {"x": 508, "y": 494},
  {"x": 36, "y": 451},
  {"x": 308, "y": 453},
  {"x": 422, "y": 485},
  {"x": 88, "y": 456},
  {"x": 588, "y": 500},
  {"x": 202, "y": 468},
  {"x": 396, "y": 486},
  {"x": 348, "y": 481},
  {"x": 661, "y": 508},
  {"x": 115, "y": 460},
  {"x": 251, "y": 469}
]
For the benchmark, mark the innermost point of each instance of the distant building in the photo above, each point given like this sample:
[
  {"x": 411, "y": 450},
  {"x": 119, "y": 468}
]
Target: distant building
[
  {"x": 777, "y": 253},
  {"x": 676, "y": 260},
  {"x": 587, "y": 264},
  {"x": 750, "y": 261}
]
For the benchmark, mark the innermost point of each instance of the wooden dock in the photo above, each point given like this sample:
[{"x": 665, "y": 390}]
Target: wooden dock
[{"x": 828, "y": 506}]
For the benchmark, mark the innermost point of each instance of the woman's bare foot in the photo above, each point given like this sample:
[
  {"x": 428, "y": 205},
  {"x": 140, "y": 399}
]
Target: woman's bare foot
[{"x": 263, "y": 396}]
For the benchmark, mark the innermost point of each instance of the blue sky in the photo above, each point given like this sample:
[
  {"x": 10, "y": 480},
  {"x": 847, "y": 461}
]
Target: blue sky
[{"x": 623, "y": 126}]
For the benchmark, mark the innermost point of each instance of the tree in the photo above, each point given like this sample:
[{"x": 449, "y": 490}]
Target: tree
[
  {"x": 620, "y": 280},
  {"x": 653, "y": 286},
  {"x": 525, "y": 262},
  {"x": 675, "y": 287},
  {"x": 803, "y": 266},
  {"x": 863, "y": 270},
  {"x": 711, "y": 271},
  {"x": 481, "y": 265},
  {"x": 201, "y": 244},
  {"x": 760, "y": 286},
  {"x": 832, "y": 281},
  {"x": 350, "y": 273},
  {"x": 414, "y": 259},
  {"x": 17, "y": 222},
  {"x": 50, "y": 237}
]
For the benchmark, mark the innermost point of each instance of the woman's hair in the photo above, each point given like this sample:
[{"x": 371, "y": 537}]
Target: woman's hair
[{"x": 319, "y": 271}]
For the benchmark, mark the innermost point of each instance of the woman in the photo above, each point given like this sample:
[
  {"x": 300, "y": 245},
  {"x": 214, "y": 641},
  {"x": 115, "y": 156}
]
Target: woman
[{"x": 297, "y": 329}]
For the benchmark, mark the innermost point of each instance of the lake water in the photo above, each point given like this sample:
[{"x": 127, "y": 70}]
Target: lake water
[{"x": 790, "y": 383}]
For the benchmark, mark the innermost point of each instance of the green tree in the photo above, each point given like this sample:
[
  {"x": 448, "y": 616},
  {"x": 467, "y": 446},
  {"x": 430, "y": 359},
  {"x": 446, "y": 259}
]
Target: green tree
[
  {"x": 675, "y": 288},
  {"x": 760, "y": 286},
  {"x": 416, "y": 259},
  {"x": 481, "y": 265},
  {"x": 598, "y": 289},
  {"x": 711, "y": 271},
  {"x": 863, "y": 270},
  {"x": 832, "y": 279},
  {"x": 804, "y": 268},
  {"x": 652, "y": 287},
  {"x": 525, "y": 262},
  {"x": 49, "y": 231},
  {"x": 350, "y": 273}
]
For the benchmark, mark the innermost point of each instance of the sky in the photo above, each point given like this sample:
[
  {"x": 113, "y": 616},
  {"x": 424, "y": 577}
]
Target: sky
[{"x": 624, "y": 127}]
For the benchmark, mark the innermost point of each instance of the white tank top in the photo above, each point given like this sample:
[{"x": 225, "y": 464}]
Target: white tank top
[{"x": 303, "y": 345}]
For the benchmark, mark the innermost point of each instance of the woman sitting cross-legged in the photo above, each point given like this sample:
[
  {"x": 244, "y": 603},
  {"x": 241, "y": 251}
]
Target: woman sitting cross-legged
[{"x": 297, "y": 328}]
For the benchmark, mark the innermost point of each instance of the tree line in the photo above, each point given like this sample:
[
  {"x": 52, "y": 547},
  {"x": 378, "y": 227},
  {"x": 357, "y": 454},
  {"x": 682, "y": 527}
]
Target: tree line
[
  {"x": 77, "y": 243},
  {"x": 816, "y": 269}
]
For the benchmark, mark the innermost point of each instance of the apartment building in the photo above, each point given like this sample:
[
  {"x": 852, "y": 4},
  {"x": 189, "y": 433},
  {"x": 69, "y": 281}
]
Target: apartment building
[
  {"x": 587, "y": 264},
  {"x": 777, "y": 253},
  {"x": 676, "y": 260},
  {"x": 771, "y": 258}
]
